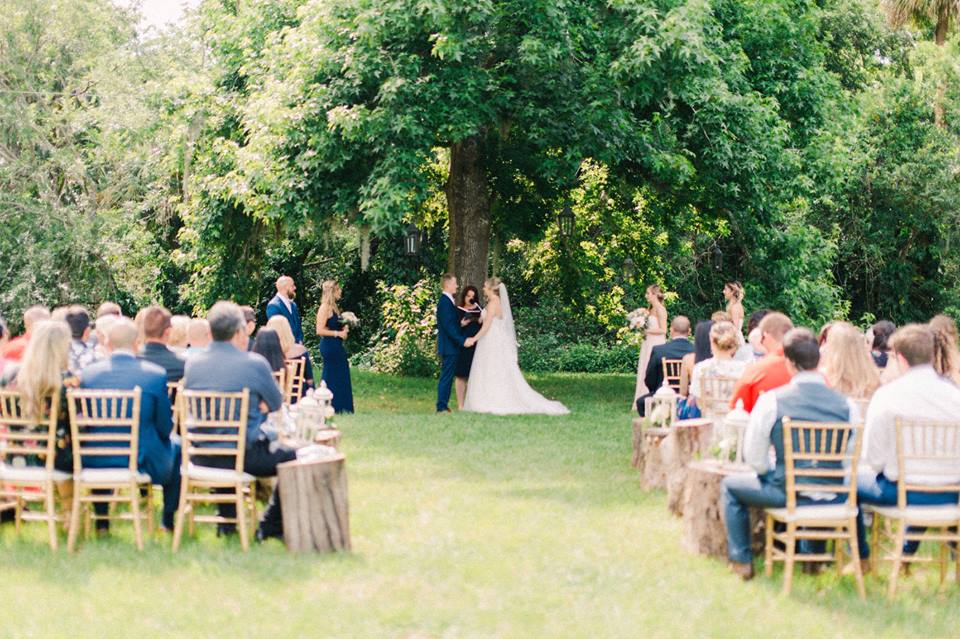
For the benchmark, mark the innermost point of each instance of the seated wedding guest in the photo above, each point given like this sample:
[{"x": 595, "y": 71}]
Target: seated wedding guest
[
  {"x": 770, "y": 371},
  {"x": 156, "y": 328},
  {"x": 723, "y": 344},
  {"x": 59, "y": 314},
  {"x": 109, "y": 308},
  {"x": 845, "y": 364},
  {"x": 198, "y": 335},
  {"x": 157, "y": 455},
  {"x": 42, "y": 372},
  {"x": 15, "y": 348},
  {"x": 879, "y": 348},
  {"x": 946, "y": 359},
  {"x": 250, "y": 316},
  {"x": 291, "y": 348},
  {"x": 226, "y": 367},
  {"x": 806, "y": 397},
  {"x": 268, "y": 346},
  {"x": 178, "y": 340},
  {"x": 4, "y": 340},
  {"x": 753, "y": 350},
  {"x": 920, "y": 393},
  {"x": 82, "y": 352},
  {"x": 102, "y": 330},
  {"x": 678, "y": 346},
  {"x": 701, "y": 349}
]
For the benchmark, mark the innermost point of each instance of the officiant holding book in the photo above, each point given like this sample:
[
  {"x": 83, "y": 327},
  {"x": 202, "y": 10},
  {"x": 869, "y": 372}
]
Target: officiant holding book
[{"x": 469, "y": 312}]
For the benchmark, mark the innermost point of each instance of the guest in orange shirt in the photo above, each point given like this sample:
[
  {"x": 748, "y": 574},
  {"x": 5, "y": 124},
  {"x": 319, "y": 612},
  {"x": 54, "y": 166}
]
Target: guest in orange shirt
[
  {"x": 769, "y": 372},
  {"x": 13, "y": 351}
]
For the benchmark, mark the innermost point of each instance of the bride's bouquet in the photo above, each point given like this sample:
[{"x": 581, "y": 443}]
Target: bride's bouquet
[
  {"x": 637, "y": 319},
  {"x": 349, "y": 319}
]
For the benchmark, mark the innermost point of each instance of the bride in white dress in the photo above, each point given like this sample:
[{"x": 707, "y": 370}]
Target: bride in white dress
[{"x": 496, "y": 384}]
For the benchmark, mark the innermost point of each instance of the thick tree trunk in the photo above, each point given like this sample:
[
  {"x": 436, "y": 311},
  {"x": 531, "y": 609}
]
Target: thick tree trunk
[{"x": 468, "y": 201}]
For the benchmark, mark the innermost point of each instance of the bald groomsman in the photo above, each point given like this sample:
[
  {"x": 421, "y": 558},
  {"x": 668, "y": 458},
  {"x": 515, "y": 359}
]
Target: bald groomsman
[{"x": 282, "y": 304}]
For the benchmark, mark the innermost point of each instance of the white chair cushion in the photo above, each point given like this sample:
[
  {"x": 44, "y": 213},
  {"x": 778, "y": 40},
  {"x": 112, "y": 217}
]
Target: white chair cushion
[
  {"x": 827, "y": 512},
  {"x": 934, "y": 514},
  {"x": 226, "y": 475},
  {"x": 30, "y": 473},
  {"x": 111, "y": 476}
]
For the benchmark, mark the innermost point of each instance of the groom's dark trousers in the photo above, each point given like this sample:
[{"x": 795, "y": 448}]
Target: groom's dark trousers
[{"x": 449, "y": 342}]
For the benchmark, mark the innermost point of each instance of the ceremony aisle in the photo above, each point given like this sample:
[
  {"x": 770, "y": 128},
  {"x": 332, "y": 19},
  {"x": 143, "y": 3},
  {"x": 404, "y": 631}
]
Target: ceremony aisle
[{"x": 463, "y": 526}]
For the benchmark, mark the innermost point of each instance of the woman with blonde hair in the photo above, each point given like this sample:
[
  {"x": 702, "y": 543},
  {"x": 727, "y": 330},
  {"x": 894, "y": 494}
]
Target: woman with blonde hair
[
  {"x": 655, "y": 333},
  {"x": 724, "y": 343},
  {"x": 847, "y": 366},
  {"x": 733, "y": 293},
  {"x": 946, "y": 359},
  {"x": 332, "y": 332},
  {"x": 43, "y": 372}
]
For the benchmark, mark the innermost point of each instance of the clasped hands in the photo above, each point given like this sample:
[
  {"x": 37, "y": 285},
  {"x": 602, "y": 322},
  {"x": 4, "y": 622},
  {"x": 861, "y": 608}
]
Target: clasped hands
[{"x": 469, "y": 342}]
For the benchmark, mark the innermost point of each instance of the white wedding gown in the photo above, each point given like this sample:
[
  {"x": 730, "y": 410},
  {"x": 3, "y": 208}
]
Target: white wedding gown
[{"x": 496, "y": 384}]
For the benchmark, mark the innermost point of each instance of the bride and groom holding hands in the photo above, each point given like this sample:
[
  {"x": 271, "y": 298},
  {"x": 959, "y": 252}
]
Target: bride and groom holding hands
[{"x": 495, "y": 384}]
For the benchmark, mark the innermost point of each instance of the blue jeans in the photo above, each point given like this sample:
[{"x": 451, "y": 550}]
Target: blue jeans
[
  {"x": 447, "y": 370},
  {"x": 737, "y": 494},
  {"x": 880, "y": 491}
]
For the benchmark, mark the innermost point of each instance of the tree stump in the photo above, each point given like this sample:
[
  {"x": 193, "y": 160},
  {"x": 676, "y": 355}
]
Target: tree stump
[
  {"x": 689, "y": 440},
  {"x": 704, "y": 531},
  {"x": 313, "y": 496},
  {"x": 653, "y": 472},
  {"x": 636, "y": 459}
]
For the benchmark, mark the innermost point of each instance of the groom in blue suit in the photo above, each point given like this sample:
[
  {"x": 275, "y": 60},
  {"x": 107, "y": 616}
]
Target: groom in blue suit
[
  {"x": 449, "y": 340},
  {"x": 282, "y": 304}
]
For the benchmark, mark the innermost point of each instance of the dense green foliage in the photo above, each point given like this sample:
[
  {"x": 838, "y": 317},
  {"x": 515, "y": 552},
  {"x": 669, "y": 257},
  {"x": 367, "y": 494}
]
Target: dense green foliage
[{"x": 266, "y": 137}]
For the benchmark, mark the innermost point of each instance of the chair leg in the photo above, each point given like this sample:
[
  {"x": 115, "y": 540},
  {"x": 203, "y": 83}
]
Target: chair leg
[
  {"x": 181, "y": 513},
  {"x": 768, "y": 548},
  {"x": 51, "y": 515},
  {"x": 242, "y": 518},
  {"x": 151, "y": 523},
  {"x": 943, "y": 562},
  {"x": 838, "y": 553},
  {"x": 135, "y": 510},
  {"x": 791, "y": 554},
  {"x": 18, "y": 514},
  {"x": 74, "y": 519},
  {"x": 855, "y": 557},
  {"x": 897, "y": 558},
  {"x": 874, "y": 541}
]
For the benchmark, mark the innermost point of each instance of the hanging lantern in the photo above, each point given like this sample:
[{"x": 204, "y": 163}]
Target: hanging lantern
[
  {"x": 566, "y": 221},
  {"x": 730, "y": 437},
  {"x": 661, "y": 407},
  {"x": 411, "y": 241},
  {"x": 629, "y": 269},
  {"x": 717, "y": 257}
]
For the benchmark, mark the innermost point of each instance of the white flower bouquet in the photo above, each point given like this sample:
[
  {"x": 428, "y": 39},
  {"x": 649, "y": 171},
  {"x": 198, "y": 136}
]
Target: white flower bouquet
[
  {"x": 349, "y": 319},
  {"x": 637, "y": 318}
]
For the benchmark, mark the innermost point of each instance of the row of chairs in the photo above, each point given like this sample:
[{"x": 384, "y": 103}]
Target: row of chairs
[
  {"x": 106, "y": 424},
  {"x": 822, "y": 459}
]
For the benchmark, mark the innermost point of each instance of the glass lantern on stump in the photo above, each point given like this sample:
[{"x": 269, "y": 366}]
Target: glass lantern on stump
[
  {"x": 313, "y": 411},
  {"x": 730, "y": 437},
  {"x": 661, "y": 407}
]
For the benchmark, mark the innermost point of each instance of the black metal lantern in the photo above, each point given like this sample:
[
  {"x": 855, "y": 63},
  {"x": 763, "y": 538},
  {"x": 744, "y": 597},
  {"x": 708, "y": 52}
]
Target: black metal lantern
[
  {"x": 717, "y": 257},
  {"x": 411, "y": 241},
  {"x": 629, "y": 269},
  {"x": 566, "y": 221}
]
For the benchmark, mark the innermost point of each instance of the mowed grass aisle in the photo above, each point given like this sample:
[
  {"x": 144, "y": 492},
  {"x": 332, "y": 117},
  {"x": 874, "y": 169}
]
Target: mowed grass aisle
[{"x": 463, "y": 526}]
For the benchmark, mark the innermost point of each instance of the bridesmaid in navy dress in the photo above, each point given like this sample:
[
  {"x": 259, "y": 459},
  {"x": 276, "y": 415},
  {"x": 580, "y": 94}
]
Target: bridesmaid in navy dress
[
  {"x": 469, "y": 311},
  {"x": 336, "y": 367}
]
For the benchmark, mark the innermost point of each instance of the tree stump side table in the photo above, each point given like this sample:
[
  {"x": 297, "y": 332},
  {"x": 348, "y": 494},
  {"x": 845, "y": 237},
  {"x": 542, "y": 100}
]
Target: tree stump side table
[
  {"x": 688, "y": 441},
  {"x": 314, "y": 499},
  {"x": 704, "y": 531},
  {"x": 653, "y": 470}
]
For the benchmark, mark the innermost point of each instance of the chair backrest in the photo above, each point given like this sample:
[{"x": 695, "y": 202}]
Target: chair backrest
[
  {"x": 862, "y": 405},
  {"x": 929, "y": 450},
  {"x": 214, "y": 424},
  {"x": 671, "y": 372},
  {"x": 104, "y": 423},
  {"x": 280, "y": 377},
  {"x": 821, "y": 457},
  {"x": 715, "y": 394},
  {"x": 25, "y": 436},
  {"x": 294, "y": 390}
]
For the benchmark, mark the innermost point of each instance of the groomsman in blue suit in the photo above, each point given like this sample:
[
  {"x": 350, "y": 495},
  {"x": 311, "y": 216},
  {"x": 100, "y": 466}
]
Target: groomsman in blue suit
[
  {"x": 157, "y": 455},
  {"x": 449, "y": 340},
  {"x": 283, "y": 304}
]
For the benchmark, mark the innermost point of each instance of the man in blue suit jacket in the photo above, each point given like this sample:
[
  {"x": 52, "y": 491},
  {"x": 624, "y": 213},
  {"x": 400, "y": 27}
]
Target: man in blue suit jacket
[
  {"x": 283, "y": 304},
  {"x": 157, "y": 455},
  {"x": 449, "y": 340}
]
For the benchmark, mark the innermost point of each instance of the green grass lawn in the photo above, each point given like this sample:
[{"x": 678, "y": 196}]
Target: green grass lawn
[{"x": 463, "y": 526}]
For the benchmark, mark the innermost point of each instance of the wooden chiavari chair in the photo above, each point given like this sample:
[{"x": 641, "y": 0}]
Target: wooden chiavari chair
[
  {"x": 820, "y": 458},
  {"x": 715, "y": 394},
  {"x": 106, "y": 423},
  {"x": 934, "y": 445},
  {"x": 214, "y": 425},
  {"x": 295, "y": 380},
  {"x": 281, "y": 378},
  {"x": 24, "y": 440},
  {"x": 671, "y": 373}
]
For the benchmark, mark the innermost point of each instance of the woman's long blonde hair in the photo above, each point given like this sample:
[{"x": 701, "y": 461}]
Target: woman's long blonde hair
[
  {"x": 328, "y": 295},
  {"x": 280, "y": 324},
  {"x": 494, "y": 284},
  {"x": 849, "y": 368},
  {"x": 44, "y": 362}
]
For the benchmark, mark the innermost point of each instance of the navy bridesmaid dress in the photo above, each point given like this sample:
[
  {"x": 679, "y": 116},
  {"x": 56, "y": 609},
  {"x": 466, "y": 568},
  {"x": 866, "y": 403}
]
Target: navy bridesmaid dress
[{"x": 336, "y": 368}]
